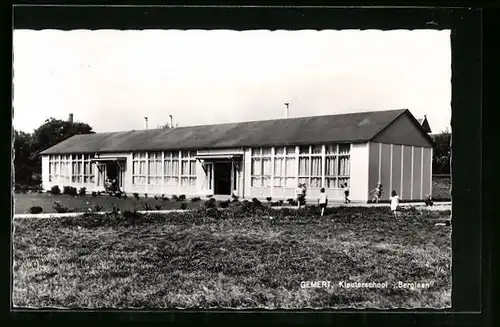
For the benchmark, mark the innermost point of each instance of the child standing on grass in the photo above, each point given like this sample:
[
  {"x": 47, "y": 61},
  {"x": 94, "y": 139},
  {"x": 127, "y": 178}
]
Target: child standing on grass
[
  {"x": 346, "y": 194},
  {"x": 428, "y": 201},
  {"x": 394, "y": 203},
  {"x": 322, "y": 201},
  {"x": 298, "y": 195},
  {"x": 377, "y": 193}
]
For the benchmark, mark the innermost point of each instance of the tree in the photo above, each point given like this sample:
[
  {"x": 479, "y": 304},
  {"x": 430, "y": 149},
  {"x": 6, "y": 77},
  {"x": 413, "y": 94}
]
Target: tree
[
  {"x": 24, "y": 165},
  {"x": 442, "y": 153},
  {"x": 165, "y": 126}
]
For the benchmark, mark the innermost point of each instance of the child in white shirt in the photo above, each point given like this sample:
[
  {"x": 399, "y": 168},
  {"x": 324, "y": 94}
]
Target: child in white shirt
[
  {"x": 322, "y": 201},
  {"x": 394, "y": 203},
  {"x": 299, "y": 194}
]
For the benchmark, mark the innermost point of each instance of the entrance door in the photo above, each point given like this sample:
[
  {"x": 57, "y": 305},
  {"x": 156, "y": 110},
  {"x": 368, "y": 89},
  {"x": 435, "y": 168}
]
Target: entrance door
[
  {"x": 209, "y": 176},
  {"x": 114, "y": 172},
  {"x": 222, "y": 178}
]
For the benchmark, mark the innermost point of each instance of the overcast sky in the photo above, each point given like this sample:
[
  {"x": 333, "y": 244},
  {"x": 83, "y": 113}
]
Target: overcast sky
[{"x": 113, "y": 79}]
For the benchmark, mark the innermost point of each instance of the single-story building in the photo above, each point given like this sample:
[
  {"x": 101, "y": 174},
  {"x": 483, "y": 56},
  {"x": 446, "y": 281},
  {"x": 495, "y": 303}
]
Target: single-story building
[{"x": 254, "y": 159}]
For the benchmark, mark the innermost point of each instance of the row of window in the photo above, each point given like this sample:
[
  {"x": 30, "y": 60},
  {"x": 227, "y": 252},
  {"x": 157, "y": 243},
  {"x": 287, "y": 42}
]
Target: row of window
[
  {"x": 153, "y": 168},
  {"x": 77, "y": 168},
  {"x": 311, "y": 165}
]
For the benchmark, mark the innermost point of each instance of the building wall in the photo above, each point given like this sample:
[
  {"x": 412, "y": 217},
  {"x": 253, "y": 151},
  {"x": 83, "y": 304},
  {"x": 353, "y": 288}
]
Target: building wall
[
  {"x": 359, "y": 172},
  {"x": 405, "y": 169},
  {"x": 403, "y": 131},
  {"x": 45, "y": 173}
]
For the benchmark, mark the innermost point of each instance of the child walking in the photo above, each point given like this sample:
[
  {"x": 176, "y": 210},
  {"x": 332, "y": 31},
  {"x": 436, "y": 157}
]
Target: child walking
[
  {"x": 377, "y": 193},
  {"x": 322, "y": 201},
  {"x": 346, "y": 194},
  {"x": 394, "y": 203},
  {"x": 300, "y": 193}
]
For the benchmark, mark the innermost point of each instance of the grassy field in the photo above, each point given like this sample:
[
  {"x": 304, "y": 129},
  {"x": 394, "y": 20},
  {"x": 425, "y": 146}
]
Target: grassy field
[
  {"x": 202, "y": 259},
  {"x": 23, "y": 202}
]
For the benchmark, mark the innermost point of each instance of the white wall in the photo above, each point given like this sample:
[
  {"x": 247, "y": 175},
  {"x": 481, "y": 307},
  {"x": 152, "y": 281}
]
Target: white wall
[
  {"x": 45, "y": 173},
  {"x": 359, "y": 172}
]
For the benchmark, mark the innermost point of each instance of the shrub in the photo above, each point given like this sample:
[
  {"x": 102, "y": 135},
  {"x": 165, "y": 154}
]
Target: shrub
[
  {"x": 275, "y": 204},
  {"x": 55, "y": 190},
  {"x": 99, "y": 192},
  {"x": 97, "y": 208},
  {"x": 118, "y": 195},
  {"x": 158, "y": 207},
  {"x": 94, "y": 194},
  {"x": 182, "y": 198},
  {"x": 132, "y": 216},
  {"x": 147, "y": 206},
  {"x": 164, "y": 198},
  {"x": 281, "y": 202},
  {"x": 146, "y": 195},
  {"x": 136, "y": 195},
  {"x": 115, "y": 210},
  {"x": 60, "y": 208},
  {"x": 196, "y": 199},
  {"x": 36, "y": 209},
  {"x": 155, "y": 197},
  {"x": 256, "y": 202},
  {"x": 125, "y": 195},
  {"x": 82, "y": 191},
  {"x": 175, "y": 197},
  {"x": 224, "y": 204},
  {"x": 268, "y": 199},
  {"x": 210, "y": 203},
  {"x": 69, "y": 190},
  {"x": 183, "y": 205},
  {"x": 234, "y": 198},
  {"x": 290, "y": 201}
]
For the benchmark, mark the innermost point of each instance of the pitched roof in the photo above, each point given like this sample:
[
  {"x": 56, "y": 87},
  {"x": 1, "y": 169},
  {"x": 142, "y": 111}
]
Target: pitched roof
[{"x": 347, "y": 128}]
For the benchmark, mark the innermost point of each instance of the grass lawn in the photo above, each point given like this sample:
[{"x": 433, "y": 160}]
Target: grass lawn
[
  {"x": 23, "y": 202},
  {"x": 182, "y": 261}
]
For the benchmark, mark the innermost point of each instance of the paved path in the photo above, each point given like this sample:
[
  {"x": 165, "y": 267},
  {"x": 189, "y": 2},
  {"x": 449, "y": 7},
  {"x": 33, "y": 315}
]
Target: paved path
[{"x": 419, "y": 205}]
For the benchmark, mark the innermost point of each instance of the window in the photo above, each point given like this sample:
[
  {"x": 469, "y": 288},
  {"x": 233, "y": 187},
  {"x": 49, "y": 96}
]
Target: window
[
  {"x": 154, "y": 168},
  {"x": 261, "y": 167},
  {"x": 76, "y": 168},
  {"x": 188, "y": 168},
  {"x": 53, "y": 168},
  {"x": 304, "y": 165},
  {"x": 171, "y": 168},
  {"x": 337, "y": 165},
  {"x": 88, "y": 169},
  {"x": 139, "y": 168},
  {"x": 284, "y": 167}
]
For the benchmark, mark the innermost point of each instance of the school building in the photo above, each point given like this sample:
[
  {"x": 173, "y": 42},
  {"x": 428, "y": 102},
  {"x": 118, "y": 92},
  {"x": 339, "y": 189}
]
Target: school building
[{"x": 254, "y": 159}]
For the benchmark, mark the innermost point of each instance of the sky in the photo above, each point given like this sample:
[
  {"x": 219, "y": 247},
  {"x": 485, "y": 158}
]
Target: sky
[{"x": 112, "y": 79}]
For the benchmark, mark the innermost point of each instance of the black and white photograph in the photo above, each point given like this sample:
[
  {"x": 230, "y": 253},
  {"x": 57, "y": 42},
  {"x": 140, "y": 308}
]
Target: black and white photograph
[{"x": 226, "y": 169}]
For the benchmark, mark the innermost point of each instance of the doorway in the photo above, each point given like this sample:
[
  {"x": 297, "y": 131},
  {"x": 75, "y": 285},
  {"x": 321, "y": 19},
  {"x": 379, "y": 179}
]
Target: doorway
[{"x": 222, "y": 178}]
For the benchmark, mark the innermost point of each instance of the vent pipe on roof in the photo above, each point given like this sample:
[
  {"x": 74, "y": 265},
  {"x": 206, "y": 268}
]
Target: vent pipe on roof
[
  {"x": 286, "y": 109},
  {"x": 171, "y": 121},
  {"x": 146, "y": 122},
  {"x": 70, "y": 118}
]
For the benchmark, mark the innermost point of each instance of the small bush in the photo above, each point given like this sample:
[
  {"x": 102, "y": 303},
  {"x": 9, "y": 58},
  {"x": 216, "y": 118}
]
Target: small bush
[
  {"x": 69, "y": 190},
  {"x": 224, "y": 204},
  {"x": 158, "y": 207},
  {"x": 175, "y": 197},
  {"x": 281, "y": 202},
  {"x": 146, "y": 206},
  {"x": 182, "y": 198},
  {"x": 132, "y": 216},
  {"x": 165, "y": 198},
  {"x": 94, "y": 194},
  {"x": 82, "y": 191},
  {"x": 99, "y": 193},
  {"x": 290, "y": 201},
  {"x": 183, "y": 205},
  {"x": 210, "y": 203},
  {"x": 234, "y": 198},
  {"x": 97, "y": 208},
  {"x": 146, "y": 195},
  {"x": 256, "y": 201},
  {"x": 36, "y": 209},
  {"x": 155, "y": 197},
  {"x": 55, "y": 190},
  {"x": 115, "y": 210},
  {"x": 196, "y": 199},
  {"x": 125, "y": 195},
  {"x": 136, "y": 195},
  {"x": 275, "y": 204},
  {"x": 60, "y": 208},
  {"x": 118, "y": 195},
  {"x": 268, "y": 199}
]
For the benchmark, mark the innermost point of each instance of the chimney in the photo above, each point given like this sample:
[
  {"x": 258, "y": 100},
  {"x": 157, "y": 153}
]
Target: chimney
[
  {"x": 286, "y": 109},
  {"x": 171, "y": 123},
  {"x": 146, "y": 122},
  {"x": 70, "y": 118}
]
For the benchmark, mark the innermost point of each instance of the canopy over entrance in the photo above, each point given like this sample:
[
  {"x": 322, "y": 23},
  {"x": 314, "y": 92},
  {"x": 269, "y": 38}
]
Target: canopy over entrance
[
  {"x": 219, "y": 156},
  {"x": 109, "y": 159}
]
